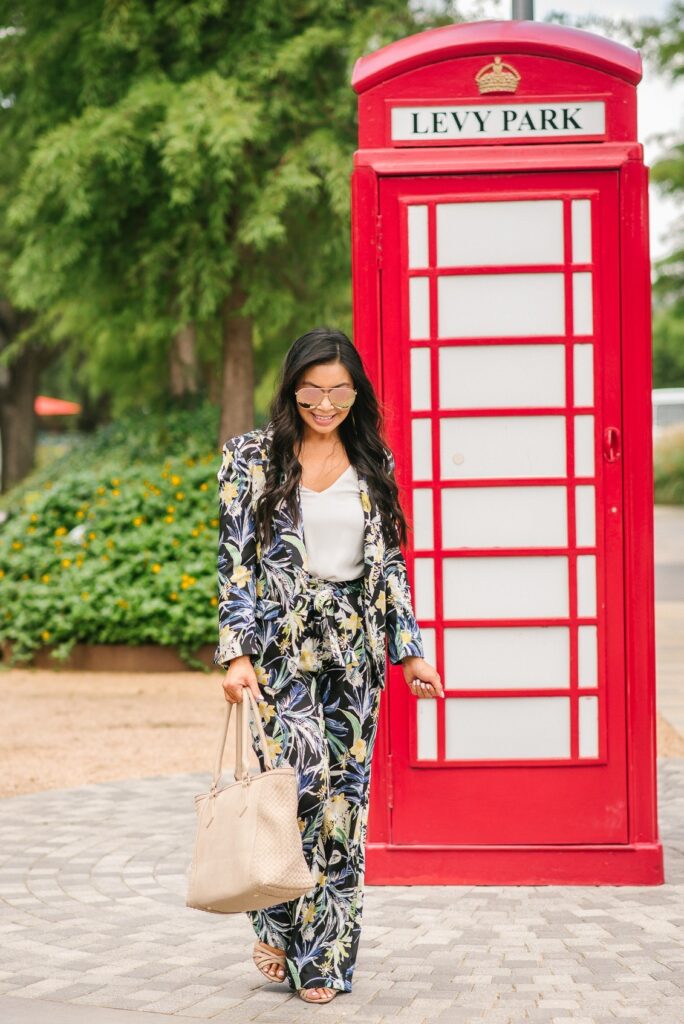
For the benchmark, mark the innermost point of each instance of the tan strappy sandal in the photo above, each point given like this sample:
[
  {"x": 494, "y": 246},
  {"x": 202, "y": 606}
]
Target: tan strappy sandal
[
  {"x": 330, "y": 993},
  {"x": 263, "y": 955}
]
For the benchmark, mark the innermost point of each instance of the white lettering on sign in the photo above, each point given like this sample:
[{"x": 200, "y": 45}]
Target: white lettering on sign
[{"x": 500, "y": 121}]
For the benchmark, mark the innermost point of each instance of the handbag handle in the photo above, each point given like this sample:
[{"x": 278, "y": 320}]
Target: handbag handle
[{"x": 241, "y": 738}]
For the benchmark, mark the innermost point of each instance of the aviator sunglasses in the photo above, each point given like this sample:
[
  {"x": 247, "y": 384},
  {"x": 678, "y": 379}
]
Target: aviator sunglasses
[{"x": 341, "y": 397}]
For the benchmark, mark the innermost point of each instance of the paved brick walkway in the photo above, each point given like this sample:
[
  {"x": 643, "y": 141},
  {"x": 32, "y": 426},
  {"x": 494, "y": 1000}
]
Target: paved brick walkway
[{"x": 92, "y": 916}]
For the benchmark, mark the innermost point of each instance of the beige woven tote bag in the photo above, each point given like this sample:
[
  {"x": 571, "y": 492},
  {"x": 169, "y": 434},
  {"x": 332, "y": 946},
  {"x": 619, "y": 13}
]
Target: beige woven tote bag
[{"x": 248, "y": 848}]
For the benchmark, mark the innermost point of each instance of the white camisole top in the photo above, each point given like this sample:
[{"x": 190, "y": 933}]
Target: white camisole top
[{"x": 333, "y": 528}]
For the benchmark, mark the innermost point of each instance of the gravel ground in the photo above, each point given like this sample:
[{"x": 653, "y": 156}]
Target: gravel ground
[{"x": 63, "y": 729}]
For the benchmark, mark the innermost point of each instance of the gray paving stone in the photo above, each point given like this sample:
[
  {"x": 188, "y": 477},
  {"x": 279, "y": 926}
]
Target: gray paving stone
[{"x": 93, "y": 929}]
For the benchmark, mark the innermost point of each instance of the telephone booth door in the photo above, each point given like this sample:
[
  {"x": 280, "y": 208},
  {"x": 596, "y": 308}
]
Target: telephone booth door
[{"x": 501, "y": 353}]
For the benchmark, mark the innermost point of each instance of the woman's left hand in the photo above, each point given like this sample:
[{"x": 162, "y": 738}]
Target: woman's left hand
[{"x": 422, "y": 678}]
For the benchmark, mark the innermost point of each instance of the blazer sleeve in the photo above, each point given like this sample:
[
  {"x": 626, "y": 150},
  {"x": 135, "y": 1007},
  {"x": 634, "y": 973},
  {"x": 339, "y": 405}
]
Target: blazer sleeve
[
  {"x": 237, "y": 558},
  {"x": 404, "y": 638}
]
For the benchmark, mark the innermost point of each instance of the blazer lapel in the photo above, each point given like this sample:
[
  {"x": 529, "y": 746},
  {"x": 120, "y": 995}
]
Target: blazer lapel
[{"x": 292, "y": 534}]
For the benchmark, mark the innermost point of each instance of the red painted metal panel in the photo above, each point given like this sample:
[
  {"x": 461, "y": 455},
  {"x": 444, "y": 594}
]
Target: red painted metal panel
[
  {"x": 483, "y": 38},
  {"x": 547, "y": 800}
]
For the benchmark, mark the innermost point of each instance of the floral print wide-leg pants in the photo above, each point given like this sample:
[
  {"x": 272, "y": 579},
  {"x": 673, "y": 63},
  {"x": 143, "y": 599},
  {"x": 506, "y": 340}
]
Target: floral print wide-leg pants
[{"x": 324, "y": 723}]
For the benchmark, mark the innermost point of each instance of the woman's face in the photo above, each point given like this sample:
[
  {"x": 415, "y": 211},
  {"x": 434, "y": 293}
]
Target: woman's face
[{"x": 324, "y": 419}]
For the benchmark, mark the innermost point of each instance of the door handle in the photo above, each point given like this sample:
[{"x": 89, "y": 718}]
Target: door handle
[{"x": 611, "y": 444}]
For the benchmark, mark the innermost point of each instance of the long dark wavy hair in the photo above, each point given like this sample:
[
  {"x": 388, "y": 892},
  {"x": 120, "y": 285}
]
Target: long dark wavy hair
[{"x": 361, "y": 433}]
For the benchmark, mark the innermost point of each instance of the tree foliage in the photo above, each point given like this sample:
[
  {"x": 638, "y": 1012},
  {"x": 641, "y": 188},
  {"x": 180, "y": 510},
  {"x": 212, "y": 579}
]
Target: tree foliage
[{"x": 170, "y": 154}]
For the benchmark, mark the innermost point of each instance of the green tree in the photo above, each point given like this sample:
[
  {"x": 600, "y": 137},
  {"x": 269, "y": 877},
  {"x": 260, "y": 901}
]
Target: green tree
[{"x": 186, "y": 192}]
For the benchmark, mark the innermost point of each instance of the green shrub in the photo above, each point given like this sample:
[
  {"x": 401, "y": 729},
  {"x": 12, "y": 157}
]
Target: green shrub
[
  {"x": 668, "y": 459},
  {"x": 116, "y": 542}
]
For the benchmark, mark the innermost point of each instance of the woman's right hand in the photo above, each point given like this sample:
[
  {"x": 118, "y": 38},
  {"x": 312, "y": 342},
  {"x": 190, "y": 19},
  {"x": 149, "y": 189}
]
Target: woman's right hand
[{"x": 240, "y": 674}]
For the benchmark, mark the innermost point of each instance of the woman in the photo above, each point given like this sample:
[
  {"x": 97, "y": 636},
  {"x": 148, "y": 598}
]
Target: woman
[{"x": 311, "y": 582}]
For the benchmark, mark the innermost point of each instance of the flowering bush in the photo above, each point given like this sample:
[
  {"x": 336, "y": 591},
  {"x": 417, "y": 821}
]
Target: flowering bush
[{"x": 116, "y": 542}]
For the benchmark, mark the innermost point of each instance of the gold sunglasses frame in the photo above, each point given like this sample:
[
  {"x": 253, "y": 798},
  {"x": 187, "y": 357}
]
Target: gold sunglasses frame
[{"x": 326, "y": 391}]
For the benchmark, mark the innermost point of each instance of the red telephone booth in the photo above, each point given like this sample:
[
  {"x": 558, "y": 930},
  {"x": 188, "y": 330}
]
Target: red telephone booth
[{"x": 502, "y": 304}]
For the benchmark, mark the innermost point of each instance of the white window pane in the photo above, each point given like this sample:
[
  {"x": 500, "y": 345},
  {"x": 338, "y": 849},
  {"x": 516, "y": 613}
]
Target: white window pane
[
  {"x": 581, "y": 231},
  {"x": 418, "y": 236},
  {"x": 500, "y": 305},
  {"x": 501, "y": 376},
  {"x": 499, "y": 233},
  {"x": 421, "y": 451},
  {"x": 528, "y": 587},
  {"x": 586, "y": 586},
  {"x": 507, "y": 656},
  {"x": 419, "y": 307},
  {"x": 423, "y": 532},
  {"x": 426, "y": 728},
  {"x": 506, "y": 727},
  {"x": 588, "y": 656},
  {"x": 502, "y": 446},
  {"x": 585, "y": 516},
  {"x": 424, "y": 586},
  {"x": 584, "y": 445},
  {"x": 583, "y": 319},
  {"x": 504, "y": 517},
  {"x": 588, "y": 727},
  {"x": 584, "y": 374},
  {"x": 420, "y": 378},
  {"x": 429, "y": 644}
]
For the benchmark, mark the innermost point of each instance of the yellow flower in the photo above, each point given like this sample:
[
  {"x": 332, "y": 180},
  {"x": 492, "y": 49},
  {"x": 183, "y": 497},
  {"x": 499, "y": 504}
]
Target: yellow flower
[
  {"x": 115, "y": 491},
  {"x": 104, "y": 558},
  {"x": 168, "y": 519},
  {"x": 101, "y": 490},
  {"x": 110, "y": 543},
  {"x": 194, "y": 533},
  {"x": 173, "y": 596},
  {"x": 155, "y": 567},
  {"x": 241, "y": 576},
  {"x": 66, "y": 562},
  {"x": 2, "y": 573},
  {"x": 309, "y": 913},
  {"x": 266, "y": 710},
  {"x": 274, "y": 747},
  {"x": 170, "y": 509},
  {"x": 179, "y": 495},
  {"x": 214, "y": 600},
  {"x": 46, "y": 634},
  {"x": 115, "y": 481},
  {"x": 92, "y": 535},
  {"x": 34, "y": 517},
  {"x": 175, "y": 480},
  {"x": 122, "y": 603},
  {"x": 60, "y": 531},
  {"x": 214, "y": 522},
  {"x": 24, "y": 575},
  {"x": 138, "y": 521},
  {"x": 203, "y": 487},
  {"x": 358, "y": 749},
  {"x": 45, "y": 577},
  {"x": 175, "y": 542},
  {"x": 85, "y": 596},
  {"x": 30, "y": 529},
  {"x": 80, "y": 514},
  {"x": 228, "y": 492},
  {"x": 17, "y": 545}
]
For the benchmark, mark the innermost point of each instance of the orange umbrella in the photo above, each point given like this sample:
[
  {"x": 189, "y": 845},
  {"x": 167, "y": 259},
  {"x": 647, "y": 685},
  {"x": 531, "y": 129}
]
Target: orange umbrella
[{"x": 45, "y": 406}]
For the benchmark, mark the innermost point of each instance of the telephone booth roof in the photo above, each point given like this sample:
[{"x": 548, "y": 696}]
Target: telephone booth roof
[{"x": 473, "y": 38}]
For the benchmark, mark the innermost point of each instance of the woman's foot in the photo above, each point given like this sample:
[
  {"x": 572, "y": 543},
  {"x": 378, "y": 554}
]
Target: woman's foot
[
  {"x": 270, "y": 960},
  {"x": 317, "y": 995}
]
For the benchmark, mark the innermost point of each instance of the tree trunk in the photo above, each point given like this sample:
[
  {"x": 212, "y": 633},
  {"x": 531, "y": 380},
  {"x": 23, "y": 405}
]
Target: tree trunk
[
  {"x": 237, "y": 380},
  {"x": 18, "y": 421},
  {"x": 183, "y": 362}
]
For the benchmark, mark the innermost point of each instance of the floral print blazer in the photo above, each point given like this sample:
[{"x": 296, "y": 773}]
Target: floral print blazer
[{"x": 257, "y": 590}]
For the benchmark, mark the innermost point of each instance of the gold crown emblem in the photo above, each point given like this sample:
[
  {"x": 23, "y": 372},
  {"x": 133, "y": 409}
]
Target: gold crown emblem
[{"x": 497, "y": 77}]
